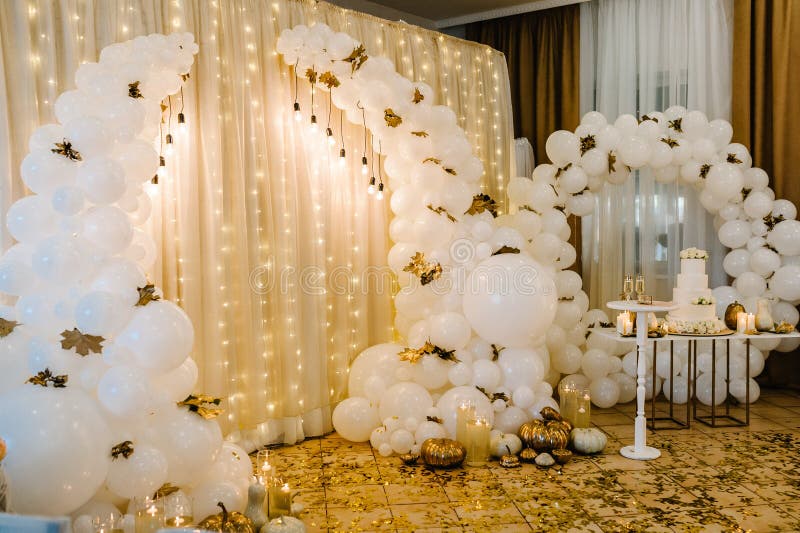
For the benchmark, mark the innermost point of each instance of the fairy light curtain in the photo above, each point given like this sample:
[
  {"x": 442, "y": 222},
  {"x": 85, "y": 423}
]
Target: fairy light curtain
[{"x": 274, "y": 251}]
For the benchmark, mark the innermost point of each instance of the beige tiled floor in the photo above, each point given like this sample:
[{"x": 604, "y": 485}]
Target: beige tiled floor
[{"x": 724, "y": 479}]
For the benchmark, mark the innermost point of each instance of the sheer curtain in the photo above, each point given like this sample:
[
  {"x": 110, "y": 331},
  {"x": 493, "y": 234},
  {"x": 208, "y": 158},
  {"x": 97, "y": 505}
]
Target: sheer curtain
[
  {"x": 269, "y": 247},
  {"x": 639, "y": 56}
]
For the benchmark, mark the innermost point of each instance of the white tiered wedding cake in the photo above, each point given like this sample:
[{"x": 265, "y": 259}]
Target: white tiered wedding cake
[{"x": 697, "y": 311}]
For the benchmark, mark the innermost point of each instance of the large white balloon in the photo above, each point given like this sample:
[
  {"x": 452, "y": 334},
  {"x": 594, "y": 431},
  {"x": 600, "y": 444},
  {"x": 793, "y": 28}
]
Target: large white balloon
[
  {"x": 451, "y": 399},
  {"x": 380, "y": 360},
  {"x": 160, "y": 335},
  {"x": 53, "y": 434},
  {"x": 355, "y": 418},
  {"x": 138, "y": 475},
  {"x": 404, "y": 400},
  {"x": 510, "y": 300}
]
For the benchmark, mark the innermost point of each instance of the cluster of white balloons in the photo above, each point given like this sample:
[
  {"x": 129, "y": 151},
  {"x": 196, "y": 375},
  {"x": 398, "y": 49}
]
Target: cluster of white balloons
[
  {"x": 489, "y": 312},
  {"x": 675, "y": 145},
  {"x": 79, "y": 262}
]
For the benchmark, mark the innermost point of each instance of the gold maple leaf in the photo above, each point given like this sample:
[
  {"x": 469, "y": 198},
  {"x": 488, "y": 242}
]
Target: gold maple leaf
[
  {"x": 311, "y": 74},
  {"x": 481, "y": 203},
  {"x": 432, "y": 160},
  {"x": 412, "y": 355},
  {"x": 676, "y": 125},
  {"x": 46, "y": 376},
  {"x": 442, "y": 211},
  {"x": 450, "y": 171},
  {"x": 357, "y": 57},
  {"x": 563, "y": 169},
  {"x": 426, "y": 272},
  {"x": 416, "y": 265},
  {"x": 435, "y": 419},
  {"x": 65, "y": 148},
  {"x": 433, "y": 273},
  {"x": 496, "y": 351},
  {"x": 124, "y": 448},
  {"x": 647, "y": 117},
  {"x": 733, "y": 159},
  {"x": 7, "y": 327},
  {"x": 704, "y": 170},
  {"x": 134, "y": 91},
  {"x": 147, "y": 294},
  {"x": 418, "y": 96},
  {"x": 185, "y": 77},
  {"x": 165, "y": 490},
  {"x": 506, "y": 250},
  {"x": 587, "y": 143},
  {"x": 669, "y": 141},
  {"x": 612, "y": 161},
  {"x": 82, "y": 342},
  {"x": 202, "y": 404},
  {"x": 329, "y": 79},
  {"x": 392, "y": 119},
  {"x": 420, "y": 133}
]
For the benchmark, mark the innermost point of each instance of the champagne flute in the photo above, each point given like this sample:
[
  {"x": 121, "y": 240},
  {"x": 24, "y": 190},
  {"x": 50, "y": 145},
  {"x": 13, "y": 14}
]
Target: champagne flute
[
  {"x": 627, "y": 286},
  {"x": 640, "y": 285}
]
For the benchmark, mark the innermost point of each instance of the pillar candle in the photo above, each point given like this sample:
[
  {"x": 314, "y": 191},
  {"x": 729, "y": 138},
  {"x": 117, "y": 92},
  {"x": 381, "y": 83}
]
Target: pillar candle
[
  {"x": 280, "y": 500},
  {"x": 741, "y": 322},
  {"x": 751, "y": 322},
  {"x": 477, "y": 434},
  {"x": 583, "y": 409},
  {"x": 464, "y": 413}
]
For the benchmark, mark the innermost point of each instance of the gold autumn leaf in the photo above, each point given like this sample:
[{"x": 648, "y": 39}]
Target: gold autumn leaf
[
  {"x": 7, "y": 327},
  {"x": 612, "y": 161},
  {"x": 417, "y": 264},
  {"x": 527, "y": 208},
  {"x": 446, "y": 355},
  {"x": 185, "y": 77},
  {"x": 704, "y": 170},
  {"x": 432, "y": 274},
  {"x": 432, "y": 160},
  {"x": 147, "y": 294},
  {"x": 669, "y": 141},
  {"x": 124, "y": 448},
  {"x": 412, "y": 355},
  {"x": 357, "y": 57},
  {"x": 481, "y": 203},
  {"x": 202, "y": 404},
  {"x": 493, "y": 396},
  {"x": 329, "y": 80},
  {"x": 418, "y": 96},
  {"x": 496, "y": 352},
  {"x": 647, "y": 117},
  {"x": 311, "y": 74},
  {"x": 46, "y": 376},
  {"x": 506, "y": 250},
  {"x": 420, "y": 133},
  {"x": 772, "y": 221},
  {"x": 587, "y": 143},
  {"x": 165, "y": 490},
  {"x": 392, "y": 119},
  {"x": 563, "y": 169},
  {"x": 65, "y": 148},
  {"x": 450, "y": 171},
  {"x": 733, "y": 159},
  {"x": 134, "y": 91},
  {"x": 676, "y": 125},
  {"x": 164, "y": 107},
  {"x": 442, "y": 211},
  {"x": 82, "y": 342}
]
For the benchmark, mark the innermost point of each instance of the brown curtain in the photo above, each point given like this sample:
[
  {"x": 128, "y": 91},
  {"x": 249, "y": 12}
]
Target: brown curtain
[
  {"x": 766, "y": 107},
  {"x": 542, "y": 49}
]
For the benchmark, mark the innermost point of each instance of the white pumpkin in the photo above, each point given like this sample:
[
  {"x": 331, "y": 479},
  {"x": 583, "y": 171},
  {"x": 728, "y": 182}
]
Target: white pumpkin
[
  {"x": 505, "y": 443},
  {"x": 588, "y": 440},
  {"x": 284, "y": 524}
]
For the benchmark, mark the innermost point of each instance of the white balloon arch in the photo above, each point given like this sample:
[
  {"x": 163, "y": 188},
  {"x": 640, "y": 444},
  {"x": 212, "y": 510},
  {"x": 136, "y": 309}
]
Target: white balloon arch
[{"x": 487, "y": 307}]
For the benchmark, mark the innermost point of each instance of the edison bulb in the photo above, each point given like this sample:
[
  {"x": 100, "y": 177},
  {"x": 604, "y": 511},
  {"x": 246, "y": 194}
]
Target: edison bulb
[
  {"x": 379, "y": 196},
  {"x": 297, "y": 115},
  {"x": 371, "y": 189},
  {"x": 364, "y": 167},
  {"x": 341, "y": 157}
]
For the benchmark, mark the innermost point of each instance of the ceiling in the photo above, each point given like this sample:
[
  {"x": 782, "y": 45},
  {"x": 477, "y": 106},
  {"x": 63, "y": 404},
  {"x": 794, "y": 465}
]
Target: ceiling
[{"x": 447, "y": 13}]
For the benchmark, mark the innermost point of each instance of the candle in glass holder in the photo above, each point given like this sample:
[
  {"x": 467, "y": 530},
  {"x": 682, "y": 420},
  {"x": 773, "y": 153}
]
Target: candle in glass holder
[
  {"x": 178, "y": 510},
  {"x": 583, "y": 409},
  {"x": 741, "y": 322},
  {"x": 280, "y": 500},
  {"x": 751, "y": 322},
  {"x": 149, "y": 515},
  {"x": 464, "y": 413},
  {"x": 567, "y": 400},
  {"x": 477, "y": 435}
]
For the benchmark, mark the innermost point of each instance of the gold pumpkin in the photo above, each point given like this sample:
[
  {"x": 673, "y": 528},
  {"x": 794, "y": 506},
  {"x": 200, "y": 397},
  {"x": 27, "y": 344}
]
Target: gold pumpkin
[
  {"x": 542, "y": 438},
  {"x": 226, "y": 522},
  {"x": 528, "y": 455},
  {"x": 730, "y": 314},
  {"x": 442, "y": 453}
]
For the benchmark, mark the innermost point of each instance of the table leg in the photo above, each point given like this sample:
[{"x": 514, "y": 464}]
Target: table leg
[
  {"x": 747, "y": 385},
  {"x": 640, "y": 450}
]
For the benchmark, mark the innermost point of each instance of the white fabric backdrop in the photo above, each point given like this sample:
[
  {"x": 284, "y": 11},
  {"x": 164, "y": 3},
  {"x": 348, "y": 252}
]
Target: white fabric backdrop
[
  {"x": 251, "y": 199},
  {"x": 639, "y": 56}
]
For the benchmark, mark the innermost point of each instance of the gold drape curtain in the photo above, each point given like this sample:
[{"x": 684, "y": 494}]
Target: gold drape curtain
[
  {"x": 542, "y": 49},
  {"x": 261, "y": 240},
  {"x": 766, "y": 104}
]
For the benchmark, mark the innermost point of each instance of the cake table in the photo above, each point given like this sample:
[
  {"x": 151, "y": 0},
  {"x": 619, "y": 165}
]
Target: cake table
[{"x": 640, "y": 450}]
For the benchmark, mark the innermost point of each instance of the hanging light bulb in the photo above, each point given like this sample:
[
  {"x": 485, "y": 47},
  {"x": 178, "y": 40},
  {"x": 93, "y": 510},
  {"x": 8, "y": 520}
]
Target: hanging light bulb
[
  {"x": 329, "y": 133},
  {"x": 364, "y": 168},
  {"x": 170, "y": 145},
  {"x": 371, "y": 188},
  {"x": 342, "y": 155},
  {"x": 379, "y": 196},
  {"x": 314, "y": 127},
  {"x": 182, "y": 122},
  {"x": 297, "y": 115},
  {"x": 162, "y": 167}
]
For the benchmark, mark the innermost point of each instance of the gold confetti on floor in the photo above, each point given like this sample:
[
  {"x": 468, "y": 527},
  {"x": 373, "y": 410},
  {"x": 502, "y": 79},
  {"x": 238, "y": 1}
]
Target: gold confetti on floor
[{"x": 724, "y": 479}]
